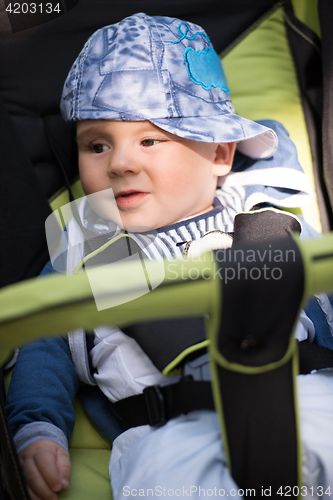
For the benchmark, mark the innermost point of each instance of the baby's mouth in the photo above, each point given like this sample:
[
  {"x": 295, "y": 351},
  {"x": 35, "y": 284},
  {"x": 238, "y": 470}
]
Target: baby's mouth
[
  {"x": 129, "y": 198},
  {"x": 128, "y": 194}
]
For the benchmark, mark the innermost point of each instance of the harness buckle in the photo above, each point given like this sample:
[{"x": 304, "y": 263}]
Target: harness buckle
[{"x": 155, "y": 405}]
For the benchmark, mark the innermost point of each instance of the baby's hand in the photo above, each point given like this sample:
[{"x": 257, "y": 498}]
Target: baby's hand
[{"x": 47, "y": 469}]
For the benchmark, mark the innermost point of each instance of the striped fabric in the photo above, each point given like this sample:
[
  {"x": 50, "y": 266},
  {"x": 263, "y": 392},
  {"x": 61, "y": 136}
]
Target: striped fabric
[{"x": 169, "y": 242}]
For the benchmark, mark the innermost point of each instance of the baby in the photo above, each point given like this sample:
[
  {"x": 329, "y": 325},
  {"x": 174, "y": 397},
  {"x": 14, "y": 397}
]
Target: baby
[{"x": 155, "y": 124}]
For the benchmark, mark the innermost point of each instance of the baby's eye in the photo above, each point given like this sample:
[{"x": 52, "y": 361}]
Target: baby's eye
[
  {"x": 150, "y": 142},
  {"x": 99, "y": 148}
]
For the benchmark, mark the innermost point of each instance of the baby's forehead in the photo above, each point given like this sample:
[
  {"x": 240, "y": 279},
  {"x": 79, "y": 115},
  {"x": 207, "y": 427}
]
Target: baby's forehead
[{"x": 84, "y": 127}]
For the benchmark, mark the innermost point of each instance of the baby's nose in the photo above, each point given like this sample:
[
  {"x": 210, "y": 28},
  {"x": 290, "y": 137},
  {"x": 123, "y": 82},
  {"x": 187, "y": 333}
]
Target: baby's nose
[{"x": 123, "y": 160}]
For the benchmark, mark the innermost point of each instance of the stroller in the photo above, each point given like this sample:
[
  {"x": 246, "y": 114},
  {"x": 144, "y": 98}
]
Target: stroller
[{"x": 28, "y": 310}]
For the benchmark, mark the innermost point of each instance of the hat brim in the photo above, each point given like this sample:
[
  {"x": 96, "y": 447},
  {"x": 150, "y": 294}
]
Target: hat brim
[{"x": 253, "y": 139}]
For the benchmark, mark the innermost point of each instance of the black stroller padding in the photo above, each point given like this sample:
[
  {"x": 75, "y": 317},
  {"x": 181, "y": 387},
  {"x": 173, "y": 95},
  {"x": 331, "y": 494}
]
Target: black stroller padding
[{"x": 256, "y": 380}]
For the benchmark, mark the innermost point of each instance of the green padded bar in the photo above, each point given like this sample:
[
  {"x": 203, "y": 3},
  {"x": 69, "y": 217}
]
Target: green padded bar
[
  {"x": 59, "y": 303},
  {"x": 317, "y": 259}
]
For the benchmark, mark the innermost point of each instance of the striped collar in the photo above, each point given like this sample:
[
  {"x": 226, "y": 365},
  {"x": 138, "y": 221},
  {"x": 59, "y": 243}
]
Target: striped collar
[
  {"x": 169, "y": 242},
  {"x": 217, "y": 207}
]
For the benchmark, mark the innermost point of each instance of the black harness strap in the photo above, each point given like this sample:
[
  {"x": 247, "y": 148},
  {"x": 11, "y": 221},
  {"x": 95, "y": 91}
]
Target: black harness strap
[
  {"x": 313, "y": 357},
  {"x": 156, "y": 405}
]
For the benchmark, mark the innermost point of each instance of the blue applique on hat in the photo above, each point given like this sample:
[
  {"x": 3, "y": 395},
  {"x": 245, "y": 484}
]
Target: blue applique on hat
[{"x": 205, "y": 68}]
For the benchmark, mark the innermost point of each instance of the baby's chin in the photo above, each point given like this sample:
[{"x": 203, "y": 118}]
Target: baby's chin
[{"x": 137, "y": 222}]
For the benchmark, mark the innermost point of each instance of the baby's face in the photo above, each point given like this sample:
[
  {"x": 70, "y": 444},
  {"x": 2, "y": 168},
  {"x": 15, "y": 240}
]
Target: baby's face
[{"x": 157, "y": 178}]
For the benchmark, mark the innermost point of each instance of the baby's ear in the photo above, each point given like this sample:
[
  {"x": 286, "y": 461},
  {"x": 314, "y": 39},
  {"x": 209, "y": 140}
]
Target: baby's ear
[{"x": 224, "y": 156}]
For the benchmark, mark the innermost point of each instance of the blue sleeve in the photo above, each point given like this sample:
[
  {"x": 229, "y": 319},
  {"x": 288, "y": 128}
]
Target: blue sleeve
[
  {"x": 43, "y": 386},
  {"x": 47, "y": 269},
  {"x": 320, "y": 311}
]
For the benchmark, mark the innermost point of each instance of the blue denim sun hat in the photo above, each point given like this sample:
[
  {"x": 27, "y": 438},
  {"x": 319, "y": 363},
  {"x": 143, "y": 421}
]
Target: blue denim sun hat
[{"x": 163, "y": 70}]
